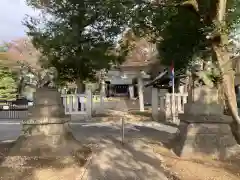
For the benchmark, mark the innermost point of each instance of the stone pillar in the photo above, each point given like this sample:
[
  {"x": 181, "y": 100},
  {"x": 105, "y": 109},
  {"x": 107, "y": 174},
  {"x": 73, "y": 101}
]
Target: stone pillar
[
  {"x": 181, "y": 89},
  {"x": 45, "y": 136},
  {"x": 168, "y": 108},
  {"x": 103, "y": 88},
  {"x": 131, "y": 91},
  {"x": 140, "y": 93},
  {"x": 45, "y": 129},
  {"x": 204, "y": 129},
  {"x": 89, "y": 103},
  {"x": 155, "y": 103}
]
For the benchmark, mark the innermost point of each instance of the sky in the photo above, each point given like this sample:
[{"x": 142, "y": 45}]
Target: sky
[{"x": 12, "y": 13}]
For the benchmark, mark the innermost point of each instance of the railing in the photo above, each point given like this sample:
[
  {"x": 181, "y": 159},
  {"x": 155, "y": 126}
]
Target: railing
[
  {"x": 166, "y": 102},
  {"x": 13, "y": 109},
  {"x": 167, "y": 105},
  {"x": 74, "y": 103},
  {"x": 82, "y": 103}
]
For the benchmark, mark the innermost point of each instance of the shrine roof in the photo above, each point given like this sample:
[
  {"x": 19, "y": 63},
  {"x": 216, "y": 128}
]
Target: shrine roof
[{"x": 164, "y": 78}]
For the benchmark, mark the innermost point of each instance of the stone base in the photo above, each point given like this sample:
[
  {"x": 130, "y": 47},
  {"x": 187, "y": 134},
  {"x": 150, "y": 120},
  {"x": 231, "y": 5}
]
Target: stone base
[
  {"x": 79, "y": 117},
  {"x": 199, "y": 137},
  {"x": 47, "y": 151},
  {"x": 41, "y": 157},
  {"x": 167, "y": 118},
  {"x": 46, "y": 144}
]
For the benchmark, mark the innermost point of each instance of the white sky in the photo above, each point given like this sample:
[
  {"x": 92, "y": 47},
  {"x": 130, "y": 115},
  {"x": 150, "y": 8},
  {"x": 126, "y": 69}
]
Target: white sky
[{"x": 12, "y": 13}]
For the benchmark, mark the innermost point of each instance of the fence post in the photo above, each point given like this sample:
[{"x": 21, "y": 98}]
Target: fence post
[
  {"x": 155, "y": 103},
  {"x": 102, "y": 102},
  {"x": 89, "y": 103},
  {"x": 168, "y": 105},
  {"x": 162, "y": 99},
  {"x": 64, "y": 101},
  {"x": 179, "y": 103},
  {"x": 70, "y": 104},
  {"x": 185, "y": 95}
]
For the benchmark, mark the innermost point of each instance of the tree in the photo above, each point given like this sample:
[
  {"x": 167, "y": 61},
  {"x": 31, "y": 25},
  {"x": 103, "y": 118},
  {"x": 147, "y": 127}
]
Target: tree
[
  {"x": 185, "y": 30},
  {"x": 8, "y": 84},
  {"x": 22, "y": 58},
  {"x": 3, "y": 48},
  {"x": 80, "y": 37},
  {"x": 23, "y": 52},
  {"x": 219, "y": 44}
]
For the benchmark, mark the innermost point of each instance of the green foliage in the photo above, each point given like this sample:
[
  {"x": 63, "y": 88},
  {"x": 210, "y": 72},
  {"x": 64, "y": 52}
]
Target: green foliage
[
  {"x": 8, "y": 85},
  {"x": 182, "y": 38},
  {"x": 180, "y": 28},
  {"x": 3, "y": 48},
  {"x": 80, "y": 37}
]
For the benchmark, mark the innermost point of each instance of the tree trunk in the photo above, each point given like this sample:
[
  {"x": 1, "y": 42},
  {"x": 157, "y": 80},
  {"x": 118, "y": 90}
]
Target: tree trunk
[
  {"x": 80, "y": 86},
  {"x": 103, "y": 87},
  {"x": 20, "y": 86},
  {"x": 225, "y": 66},
  {"x": 227, "y": 76}
]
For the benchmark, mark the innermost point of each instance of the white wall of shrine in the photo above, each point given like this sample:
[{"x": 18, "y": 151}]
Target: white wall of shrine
[{"x": 126, "y": 77}]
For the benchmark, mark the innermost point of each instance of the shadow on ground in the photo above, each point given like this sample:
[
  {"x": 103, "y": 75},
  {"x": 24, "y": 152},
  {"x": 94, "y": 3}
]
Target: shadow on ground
[
  {"x": 111, "y": 159},
  {"x": 135, "y": 160}
]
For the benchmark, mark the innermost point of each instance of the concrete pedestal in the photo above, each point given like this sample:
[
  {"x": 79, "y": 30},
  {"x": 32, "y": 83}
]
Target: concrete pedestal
[
  {"x": 47, "y": 116},
  {"x": 205, "y": 135},
  {"x": 46, "y": 135},
  {"x": 204, "y": 129}
]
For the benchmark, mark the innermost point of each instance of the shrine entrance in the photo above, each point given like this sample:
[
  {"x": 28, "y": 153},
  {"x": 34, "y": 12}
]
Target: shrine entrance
[{"x": 120, "y": 90}]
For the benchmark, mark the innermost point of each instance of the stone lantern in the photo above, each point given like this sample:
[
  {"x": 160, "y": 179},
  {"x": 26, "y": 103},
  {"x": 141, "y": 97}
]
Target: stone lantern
[
  {"x": 46, "y": 139},
  {"x": 204, "y": 129}
]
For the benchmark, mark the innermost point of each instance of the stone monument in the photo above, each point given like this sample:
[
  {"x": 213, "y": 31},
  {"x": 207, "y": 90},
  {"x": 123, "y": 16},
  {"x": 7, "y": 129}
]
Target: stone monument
[
  {"x": 46, "y": 139},
  {"x": 204, "y": 129}
]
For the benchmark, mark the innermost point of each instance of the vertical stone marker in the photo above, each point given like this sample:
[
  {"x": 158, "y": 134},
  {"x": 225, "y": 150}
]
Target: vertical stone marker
[
  {"x": 204, "y": 129},
  {"x": 46, "y": 140}
]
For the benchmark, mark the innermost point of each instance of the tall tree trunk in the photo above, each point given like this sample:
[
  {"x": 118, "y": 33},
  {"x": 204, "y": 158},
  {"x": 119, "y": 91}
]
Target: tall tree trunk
[
  {"x": 20, "y": 86},
  {"x": 225, "y": 66},
  {"x": 227, "y": 76},
  {"x": 80, "y": 86}
]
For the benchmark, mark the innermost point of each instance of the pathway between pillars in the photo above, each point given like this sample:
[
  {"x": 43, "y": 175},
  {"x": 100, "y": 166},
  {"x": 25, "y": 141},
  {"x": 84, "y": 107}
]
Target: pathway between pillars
[{"x": 133, "y": 161}]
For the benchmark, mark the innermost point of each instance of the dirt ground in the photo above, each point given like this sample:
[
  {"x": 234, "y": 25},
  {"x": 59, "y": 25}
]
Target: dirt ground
[
  {"x": 38, "y": 169},
  {"x": 180, "y": 169},
  {"x": 177, "y": 168},
  {"x": 201, "y": 168}
]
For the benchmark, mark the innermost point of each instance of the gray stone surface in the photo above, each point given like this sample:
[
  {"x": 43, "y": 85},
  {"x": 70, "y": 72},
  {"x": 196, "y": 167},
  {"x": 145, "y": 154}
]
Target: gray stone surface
[
  {"x": 204, "y": 100},
  {"x": 214, "y": 140},
  {"x": 204, "y": 129}
]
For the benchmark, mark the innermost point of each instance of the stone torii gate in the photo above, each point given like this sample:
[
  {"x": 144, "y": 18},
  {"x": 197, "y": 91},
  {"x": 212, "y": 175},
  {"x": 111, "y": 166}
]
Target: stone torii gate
[{"x": 139, "y": 72}]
